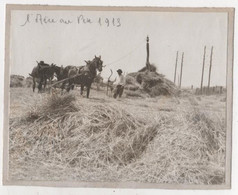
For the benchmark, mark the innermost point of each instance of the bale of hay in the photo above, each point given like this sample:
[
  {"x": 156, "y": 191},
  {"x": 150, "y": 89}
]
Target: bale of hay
[{"x": 17, "y": 81}]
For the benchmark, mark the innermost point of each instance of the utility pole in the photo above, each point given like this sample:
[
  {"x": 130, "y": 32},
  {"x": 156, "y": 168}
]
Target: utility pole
[
  {"x": 176, "y": 63},
  {"x": 148, "y": 54},
  {"x": 209, "y": 78},
  {"x": 181, "y": 72},
  {"x": 204, "y": 58}
]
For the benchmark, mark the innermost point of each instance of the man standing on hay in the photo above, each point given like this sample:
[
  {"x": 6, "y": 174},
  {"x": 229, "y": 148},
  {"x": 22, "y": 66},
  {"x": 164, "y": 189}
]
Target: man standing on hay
[{"x": 120, "y": 84}]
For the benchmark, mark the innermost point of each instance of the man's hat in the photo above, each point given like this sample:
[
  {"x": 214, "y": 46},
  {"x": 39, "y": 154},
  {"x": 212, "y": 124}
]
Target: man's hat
[{"x": 119, "y": 70}]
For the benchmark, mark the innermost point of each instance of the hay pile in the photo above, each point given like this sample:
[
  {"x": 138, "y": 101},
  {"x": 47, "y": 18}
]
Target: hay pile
[
  {"x": 17, "y": 81},
  {"x": 188, "y": 150},
  {"x": 90, "y": 140},
  {"x": 64, "y": 138},
  {"x": 20, "y": 81},
  {"x": 28, "y": 82},
  {"x": 149, "y": 83}
]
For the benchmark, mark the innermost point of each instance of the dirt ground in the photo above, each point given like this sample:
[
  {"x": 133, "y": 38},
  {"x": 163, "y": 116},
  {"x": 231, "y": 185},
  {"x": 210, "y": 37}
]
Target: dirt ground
[{"x": 177, "y": 140}]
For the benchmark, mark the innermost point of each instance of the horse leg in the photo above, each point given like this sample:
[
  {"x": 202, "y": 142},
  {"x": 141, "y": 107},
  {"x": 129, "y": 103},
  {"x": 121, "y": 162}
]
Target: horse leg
[
  {"x": 50, "y": 81},
  {"x": 40, "y": 85},
  {"x": 72, "y": 86},
  {"x": 34, "y": 84},
  {"x": 82, "y": 87},
  {"x": 88, "y": 89},
  {"x": 69, "y": 86},
  {"x": 62, "y": 86},
  {"x": 45, "y": 81}
]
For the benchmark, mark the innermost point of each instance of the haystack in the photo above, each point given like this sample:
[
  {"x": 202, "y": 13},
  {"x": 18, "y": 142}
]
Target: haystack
[
  {"x": 29, "y": 82},
  {"x": 149, "y": 83},
  {"x": 17, "y": 81}
]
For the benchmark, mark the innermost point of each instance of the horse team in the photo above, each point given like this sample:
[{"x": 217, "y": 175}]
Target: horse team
[{"x": 70, "y": 75}]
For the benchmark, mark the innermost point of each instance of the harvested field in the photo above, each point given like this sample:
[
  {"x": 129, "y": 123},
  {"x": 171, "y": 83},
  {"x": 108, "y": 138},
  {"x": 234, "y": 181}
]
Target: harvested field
[{"x": 172, "y": 140}]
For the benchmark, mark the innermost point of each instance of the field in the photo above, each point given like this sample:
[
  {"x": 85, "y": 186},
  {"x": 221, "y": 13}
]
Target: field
[{"x": 174, "y": 140}]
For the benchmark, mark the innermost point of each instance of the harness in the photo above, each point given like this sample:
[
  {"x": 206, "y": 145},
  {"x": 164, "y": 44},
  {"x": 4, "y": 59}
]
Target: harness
[{"x": 83, "y": 70}]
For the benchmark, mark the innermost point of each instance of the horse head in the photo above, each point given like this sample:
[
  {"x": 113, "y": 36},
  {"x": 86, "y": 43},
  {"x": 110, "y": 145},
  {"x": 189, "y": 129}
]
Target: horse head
[
  {"x": 57, "y": 70},
  {"x": 98, "y": 62}
]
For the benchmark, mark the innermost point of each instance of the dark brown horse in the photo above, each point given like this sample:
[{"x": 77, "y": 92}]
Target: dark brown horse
[
  {"x": 84, "y": 75},
  {"x": 64, "y": 74},
  {"x": 42, "y": 72}
]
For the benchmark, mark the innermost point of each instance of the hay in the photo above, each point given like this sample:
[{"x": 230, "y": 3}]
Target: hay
[
  {"x": 63, "y": 132},
  {"x": 20, "y": 81},
  {"x": 130, "y": 80},
  {"x": 28, "y": 82},
  {"x": 135, "y": 93},
  {"x": 188, "y": 150},
  {"x": 152, "y": 83},
  {"x": 152, "y": 68},
  {"x": 17, "y": 81},
  {"x": 131, "y": 87},
  {"x": 65, "y": 138}
]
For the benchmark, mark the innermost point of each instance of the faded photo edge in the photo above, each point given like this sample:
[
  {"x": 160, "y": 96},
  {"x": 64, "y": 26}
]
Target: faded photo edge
[{"x": 229, "y": 103}]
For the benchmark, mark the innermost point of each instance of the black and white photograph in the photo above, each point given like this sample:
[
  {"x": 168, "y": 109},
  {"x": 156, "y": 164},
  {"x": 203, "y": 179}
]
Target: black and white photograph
[{"x": 118, "y": 96}]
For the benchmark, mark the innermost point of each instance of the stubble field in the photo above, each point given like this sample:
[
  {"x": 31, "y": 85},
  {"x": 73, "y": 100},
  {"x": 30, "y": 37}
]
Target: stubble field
[{"x": 174, "y": 140}]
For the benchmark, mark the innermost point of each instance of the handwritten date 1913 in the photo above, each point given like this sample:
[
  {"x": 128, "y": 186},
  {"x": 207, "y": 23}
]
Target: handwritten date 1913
[{"x": 109, "y": 22}]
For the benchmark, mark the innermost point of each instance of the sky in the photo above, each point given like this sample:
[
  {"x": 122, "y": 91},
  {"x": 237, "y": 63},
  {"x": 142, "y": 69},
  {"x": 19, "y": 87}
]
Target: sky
[{"x": 120, "y": 38}]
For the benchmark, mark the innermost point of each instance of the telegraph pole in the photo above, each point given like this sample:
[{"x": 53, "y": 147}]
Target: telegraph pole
[
  {"x": 204, "y": 58},
  {"x": 210, "y": 68},
  {"x": 181, "y": 72},
  {"x": 176, "y": 63}
]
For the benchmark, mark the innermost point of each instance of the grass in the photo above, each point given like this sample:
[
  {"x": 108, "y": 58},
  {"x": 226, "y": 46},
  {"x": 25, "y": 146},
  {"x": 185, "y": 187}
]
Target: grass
[{"x": 158, "y": 140}]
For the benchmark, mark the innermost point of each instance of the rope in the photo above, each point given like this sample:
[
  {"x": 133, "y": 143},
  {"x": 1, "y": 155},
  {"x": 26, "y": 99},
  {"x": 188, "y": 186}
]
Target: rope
[
  {"x": 65, "y": 79},
  {"x": 124, "y": 56}
]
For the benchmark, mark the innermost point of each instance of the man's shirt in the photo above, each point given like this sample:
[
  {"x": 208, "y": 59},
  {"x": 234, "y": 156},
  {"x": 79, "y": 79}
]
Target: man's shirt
[{"x": 120, "y": 80}]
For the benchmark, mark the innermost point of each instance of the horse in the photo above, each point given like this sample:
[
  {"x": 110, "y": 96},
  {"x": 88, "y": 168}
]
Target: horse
[
  {"x": 64, "y": 73},
  {"x": 84, "y": 75},
  {"x": 42, "y": 72}
]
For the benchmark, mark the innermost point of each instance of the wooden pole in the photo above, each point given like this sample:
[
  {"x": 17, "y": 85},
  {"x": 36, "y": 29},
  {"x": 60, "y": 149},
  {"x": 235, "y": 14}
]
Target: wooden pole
[
  {"x": 181, "y": 71},
  {"x": 148, "y": 54},
  {"x": 203, "y": 64},
  {"x": 178, "y": 79},
  {"x": 209, "y": 78},
  {"x": 176, "y": 63}
]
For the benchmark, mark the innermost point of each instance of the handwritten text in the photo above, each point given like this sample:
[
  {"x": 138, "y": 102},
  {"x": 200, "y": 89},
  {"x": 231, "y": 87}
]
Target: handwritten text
[{"x": 80, "y": 20}]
